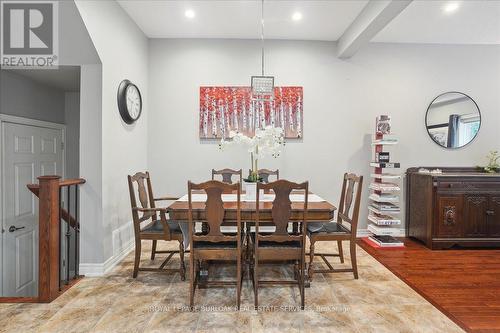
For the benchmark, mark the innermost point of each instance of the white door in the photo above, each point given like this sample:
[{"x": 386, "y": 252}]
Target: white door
[{"x": 27, "y": 152}]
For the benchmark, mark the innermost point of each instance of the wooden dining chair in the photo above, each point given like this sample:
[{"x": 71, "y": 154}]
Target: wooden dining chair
[
  {"x": 338, "y": 230},
  {"x": 227, "y": 175},
  {"x": 265, "y": 173},
  {"x": 281, "y": 244},
  {"x": 214, "y": 244},
  {"x": 158, "y": 227}
]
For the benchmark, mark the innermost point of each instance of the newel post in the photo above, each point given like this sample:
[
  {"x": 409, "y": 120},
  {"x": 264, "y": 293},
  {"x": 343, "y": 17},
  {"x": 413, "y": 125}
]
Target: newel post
[{"x": 49, "y": 238}]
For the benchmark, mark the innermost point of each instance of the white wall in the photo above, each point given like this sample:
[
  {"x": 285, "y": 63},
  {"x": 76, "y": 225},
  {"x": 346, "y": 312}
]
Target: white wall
[
  {"x": 23, "y": 97},
  {"x": 341, "y": 100},
  {"x": 123, "y": 50}
]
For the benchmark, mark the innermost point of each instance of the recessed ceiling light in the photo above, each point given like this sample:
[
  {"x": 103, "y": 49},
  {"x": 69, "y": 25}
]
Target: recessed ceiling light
[
  {"x": 297, "y": 16},
  {"x": 189, "y": 13},
  {"x": 451, "y": 7}
]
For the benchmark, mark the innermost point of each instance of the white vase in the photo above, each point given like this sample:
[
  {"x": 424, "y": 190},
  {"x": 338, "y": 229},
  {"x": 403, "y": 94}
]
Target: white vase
[{"x": 251, "y": 191}]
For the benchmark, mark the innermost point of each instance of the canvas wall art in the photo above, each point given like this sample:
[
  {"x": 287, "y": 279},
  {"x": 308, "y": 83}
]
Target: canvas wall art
[{"x": 225, "y": 109}]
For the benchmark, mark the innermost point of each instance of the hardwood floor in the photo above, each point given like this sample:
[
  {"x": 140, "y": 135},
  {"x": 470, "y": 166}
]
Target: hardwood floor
[{"x": 463, "y": 284}]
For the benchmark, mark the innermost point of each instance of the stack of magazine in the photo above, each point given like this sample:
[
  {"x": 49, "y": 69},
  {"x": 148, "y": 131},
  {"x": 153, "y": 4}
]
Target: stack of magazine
[{"x": 386, "y": 241}]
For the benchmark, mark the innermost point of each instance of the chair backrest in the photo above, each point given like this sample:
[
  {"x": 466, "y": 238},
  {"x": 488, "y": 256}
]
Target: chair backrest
[
  {"x": 265, "y": 173},
  {"x": 227, "y": 175},
  {"x": 140, "y": 190},
  {"x": 215, "y": 213},
  {"x": 351, "y": 192},
  {"x": 281, "y": 210}
]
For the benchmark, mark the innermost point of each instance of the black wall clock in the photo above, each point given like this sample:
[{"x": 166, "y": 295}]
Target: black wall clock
[{"x": 129, "y": 101}]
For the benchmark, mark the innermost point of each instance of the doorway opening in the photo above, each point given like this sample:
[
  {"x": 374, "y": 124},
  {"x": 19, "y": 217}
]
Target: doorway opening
[{"x": 40, "y": 131}]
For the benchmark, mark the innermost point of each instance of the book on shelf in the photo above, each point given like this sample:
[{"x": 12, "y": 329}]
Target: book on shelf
[
  {"x": 382, "y": 156},
  {"x": 385, "y": 187},
  {"x": 385, "y": 206},
  {"x": 381, "y": 230},
  {"x": 383, "y": 211},
  {"x": 384, "y": 165},
  {"x": 387, "y": 137},
  {"x": 384, "y": 197},
  {"x": 384, "y": 219},
  {"x": 385, "y": 176},
  {"x": 384, "y": 142},
  {"x": 385, "y": 240}
]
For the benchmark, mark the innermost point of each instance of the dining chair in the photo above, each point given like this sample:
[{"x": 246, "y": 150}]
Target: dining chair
[
  {"x": 338, "y": 230},
  {"x": 214, "y": 244},
  {"x": 227, "y": 175},
  {"x": 265, "y": 173},
  {"x": 280, "y": 244},
  {"x": 158, "y": 226}
]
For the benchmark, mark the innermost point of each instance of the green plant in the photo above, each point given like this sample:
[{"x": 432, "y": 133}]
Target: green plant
[{"x": 493, "y": 162}]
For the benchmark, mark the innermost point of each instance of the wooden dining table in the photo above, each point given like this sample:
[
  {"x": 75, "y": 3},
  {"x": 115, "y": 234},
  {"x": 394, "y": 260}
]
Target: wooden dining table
[{"x": 317, "y": 211}]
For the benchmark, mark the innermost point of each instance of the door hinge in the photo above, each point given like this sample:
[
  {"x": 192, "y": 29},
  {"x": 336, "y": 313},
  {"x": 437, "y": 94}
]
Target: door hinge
[{"x": 62, "y": 145}]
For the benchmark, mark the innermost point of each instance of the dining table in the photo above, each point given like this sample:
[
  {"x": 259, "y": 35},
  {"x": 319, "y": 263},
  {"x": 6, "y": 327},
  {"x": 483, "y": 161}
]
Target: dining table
[{"x": 318, "y": 210}]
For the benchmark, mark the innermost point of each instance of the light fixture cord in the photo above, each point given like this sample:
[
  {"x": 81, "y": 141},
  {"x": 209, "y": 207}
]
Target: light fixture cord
[{"x": 262, "y": 36}]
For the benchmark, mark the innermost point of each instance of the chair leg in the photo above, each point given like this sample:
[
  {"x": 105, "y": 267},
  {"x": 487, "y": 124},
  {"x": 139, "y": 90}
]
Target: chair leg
[
  {"x": 302, "y": 282},
  {"x": 137, "y": 257},
  {"x": 192, "y": 280},
  {"x": 183, "y": 266},
  {"x": 153, "y": 250},
  {"x": 311, "y": 259},
  {"x": 238, "y": 283},
  {"x": 341, "y": 251},
  {"x": 256, "y": 280},
  {"x": 353, "y": 258}
]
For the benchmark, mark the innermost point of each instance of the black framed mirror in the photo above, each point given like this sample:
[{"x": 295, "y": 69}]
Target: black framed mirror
[{"x": 453, "y": 120}]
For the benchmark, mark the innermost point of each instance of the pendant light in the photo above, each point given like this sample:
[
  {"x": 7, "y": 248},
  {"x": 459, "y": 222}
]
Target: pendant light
[{"x": 262, "y": 86}]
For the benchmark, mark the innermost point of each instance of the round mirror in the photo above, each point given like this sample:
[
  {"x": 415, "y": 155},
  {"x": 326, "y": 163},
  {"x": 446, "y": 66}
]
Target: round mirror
[{"x": 453, "y": 120}]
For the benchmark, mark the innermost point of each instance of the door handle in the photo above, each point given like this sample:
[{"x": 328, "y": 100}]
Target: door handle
[
  {"x": 490, "y": 212},
  {"x": 14, "y": 228}
]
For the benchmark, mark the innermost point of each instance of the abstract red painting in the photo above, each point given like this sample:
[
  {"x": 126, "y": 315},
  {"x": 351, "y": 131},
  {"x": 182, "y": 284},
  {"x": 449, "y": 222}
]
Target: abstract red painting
[{"x": 225, "y": 109}]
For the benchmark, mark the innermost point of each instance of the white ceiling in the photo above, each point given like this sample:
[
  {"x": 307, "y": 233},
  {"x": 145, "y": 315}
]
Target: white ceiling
[
  {"x": 423, "y": 21},
  {"x": 321, "y": 20},
  {"x": 474, "y": 22}
]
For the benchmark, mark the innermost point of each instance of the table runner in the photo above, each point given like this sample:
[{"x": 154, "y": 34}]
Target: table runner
[{"x": 202, "y": 197}]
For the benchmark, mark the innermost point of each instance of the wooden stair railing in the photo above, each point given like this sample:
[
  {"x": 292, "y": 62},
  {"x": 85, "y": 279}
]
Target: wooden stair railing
[{"x": 51, "y": 212}]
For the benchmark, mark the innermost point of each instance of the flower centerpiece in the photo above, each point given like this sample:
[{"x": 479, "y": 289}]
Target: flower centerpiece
[
  {"x": 493, "y": 162},
  {"x": 266, "y": 142}
]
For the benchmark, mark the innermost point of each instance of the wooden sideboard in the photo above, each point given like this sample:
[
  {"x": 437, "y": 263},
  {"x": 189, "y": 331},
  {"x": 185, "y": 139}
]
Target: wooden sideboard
[{"x": 457, "y": 207}]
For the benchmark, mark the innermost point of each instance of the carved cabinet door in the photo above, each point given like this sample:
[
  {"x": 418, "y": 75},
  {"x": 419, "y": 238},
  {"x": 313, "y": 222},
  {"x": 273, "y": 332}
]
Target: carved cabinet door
[
  {"x": 493, "y": 216},
  {"x": 475, "y": 215},
  {"x": 449, "y": 216}
]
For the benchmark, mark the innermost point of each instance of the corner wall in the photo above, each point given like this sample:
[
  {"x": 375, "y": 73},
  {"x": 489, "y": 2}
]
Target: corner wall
[{"x": 123, "y": 50}]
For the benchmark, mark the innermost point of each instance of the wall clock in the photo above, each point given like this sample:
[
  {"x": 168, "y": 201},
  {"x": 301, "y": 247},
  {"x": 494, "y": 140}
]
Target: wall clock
[{"x": 129, "y": 101}]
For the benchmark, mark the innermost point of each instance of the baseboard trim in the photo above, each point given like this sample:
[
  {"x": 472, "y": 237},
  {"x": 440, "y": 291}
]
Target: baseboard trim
[
  {"x": 101, "y": 269},
  {"x": 123, "y": 243}
]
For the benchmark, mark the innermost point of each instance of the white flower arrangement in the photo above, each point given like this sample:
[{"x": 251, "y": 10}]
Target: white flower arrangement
[{"x": 265, "y": 142}]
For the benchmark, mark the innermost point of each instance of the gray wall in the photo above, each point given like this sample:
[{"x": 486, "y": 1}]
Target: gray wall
[
  {"x": 341, "y": 100},
  {"x": 22, "y": 97},
  {"x": 72, "y": 122}
]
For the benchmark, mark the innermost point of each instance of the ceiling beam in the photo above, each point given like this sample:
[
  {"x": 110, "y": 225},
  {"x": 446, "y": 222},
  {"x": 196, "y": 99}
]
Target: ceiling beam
[{"x": 373, "y": 18}]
